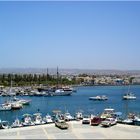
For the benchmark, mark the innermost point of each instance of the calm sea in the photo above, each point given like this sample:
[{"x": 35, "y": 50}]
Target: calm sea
[{"x": 78, "y": 101}]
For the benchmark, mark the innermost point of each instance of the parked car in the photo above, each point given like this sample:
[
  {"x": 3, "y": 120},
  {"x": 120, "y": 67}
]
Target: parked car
[
  {"x": 61, "y": 124},
  {"x": 86, "y": 119},
  {"x": 109, "y": 122},
  {"x": 96, "y": 120}
]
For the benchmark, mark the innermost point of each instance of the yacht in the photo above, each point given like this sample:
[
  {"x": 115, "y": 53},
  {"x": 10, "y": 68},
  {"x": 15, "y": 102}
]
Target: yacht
[{"x": 61, "y": 92}]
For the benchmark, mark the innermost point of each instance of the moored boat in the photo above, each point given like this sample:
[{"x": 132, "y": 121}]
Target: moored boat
[
  {"x": 5, "y": 107},
  {"x": 27, "y": 121},
  {"x": 38, "y": 119},
  {"x": 129, "y": 96},
  {"x": 48, "y": 119},
  {"x": 16, "y": 123},
  {"x": 99, "y": 98}
]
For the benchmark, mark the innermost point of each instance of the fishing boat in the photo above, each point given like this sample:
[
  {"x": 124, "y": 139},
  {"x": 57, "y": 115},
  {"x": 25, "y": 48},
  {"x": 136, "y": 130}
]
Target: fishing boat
[
  {"x": 99, "y": 98},
  {"x": 16, "y": 123},
  {"x": 48, "y": 119},
  {"x": 27, "y": 121},
  {"x": 38, "y": 119}
]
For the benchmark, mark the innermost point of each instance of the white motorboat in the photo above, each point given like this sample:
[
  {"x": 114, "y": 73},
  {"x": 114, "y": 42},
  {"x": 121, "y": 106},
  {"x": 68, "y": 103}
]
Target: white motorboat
[
  {"x": 16, "y": 105},
  {"x": 22, "y": 101},
  {"x": 5, "y": 107},
  {"x": 79, "y": 116},
  {"x": 129, "y": 96},
  {"x": 48, "y": 119},
  {"x": 27, "y": 121},
  {"x": 107, "y": 113},
  {"x": 38, "y": 119},
  {"x": 128, "y": 121},
  {"x": 68, "y": 117}
]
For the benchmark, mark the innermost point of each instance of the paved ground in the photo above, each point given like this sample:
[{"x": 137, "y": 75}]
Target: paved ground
[{"x": 76, "y": 131}]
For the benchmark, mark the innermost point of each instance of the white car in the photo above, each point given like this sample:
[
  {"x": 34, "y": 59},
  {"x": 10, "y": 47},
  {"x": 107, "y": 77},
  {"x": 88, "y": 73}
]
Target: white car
[
  {"x": 86, "y": 119},
  {"x": 109, "y": 122}
]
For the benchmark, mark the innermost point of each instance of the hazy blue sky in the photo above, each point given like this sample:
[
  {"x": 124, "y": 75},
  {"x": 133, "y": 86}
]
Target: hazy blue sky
[{"x": 89, "y": 35}]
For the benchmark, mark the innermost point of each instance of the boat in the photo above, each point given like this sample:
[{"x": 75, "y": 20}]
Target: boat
[
  {"x": 136, "y": 120},
  {"x": 79, "y": 115},
  {"x": 4, "y": 124},
  {"x": 16, "y": 123},
  {"x": 48, "y": 119},
  {"x": 60, "y": 91},
  {"x": 38, "y": 119},
  {"x": 16, "y": 105},
  {"x": 99, "y": 98},
  {"x": 22, "y": 101},
  {"x": 129, "y": 96},
  {"x": 5, "y": 107},
  {"x": 27, "y": 121},
  {"x": 128, "y": 121},
  {"x": 68, "y": 117},
  {"x": 107, "y": 113}
]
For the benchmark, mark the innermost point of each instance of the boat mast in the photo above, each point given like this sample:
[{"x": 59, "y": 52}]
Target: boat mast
[{"x": 57, "y": 77}]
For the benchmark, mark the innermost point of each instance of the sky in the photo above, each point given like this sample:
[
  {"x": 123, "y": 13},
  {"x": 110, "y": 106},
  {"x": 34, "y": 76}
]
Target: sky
[{"x": 84, "y": 35}]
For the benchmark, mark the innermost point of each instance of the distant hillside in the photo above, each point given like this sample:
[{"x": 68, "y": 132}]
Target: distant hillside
[{"x": 67, "y": 71}]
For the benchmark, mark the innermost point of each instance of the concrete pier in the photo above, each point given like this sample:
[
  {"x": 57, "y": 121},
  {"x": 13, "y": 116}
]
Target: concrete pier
[{"x": 76, "y": 131}]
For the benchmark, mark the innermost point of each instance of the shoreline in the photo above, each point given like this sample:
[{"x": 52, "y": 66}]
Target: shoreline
[{"x": 76, "y": 130}]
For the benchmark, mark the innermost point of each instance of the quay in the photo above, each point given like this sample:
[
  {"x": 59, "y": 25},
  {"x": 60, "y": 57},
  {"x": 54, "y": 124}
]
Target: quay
[{"x": 76, "y": 130}]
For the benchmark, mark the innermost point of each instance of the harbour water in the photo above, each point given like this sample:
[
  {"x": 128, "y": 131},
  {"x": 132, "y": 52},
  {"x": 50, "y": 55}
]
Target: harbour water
[{"x": 78, "y": 101}]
